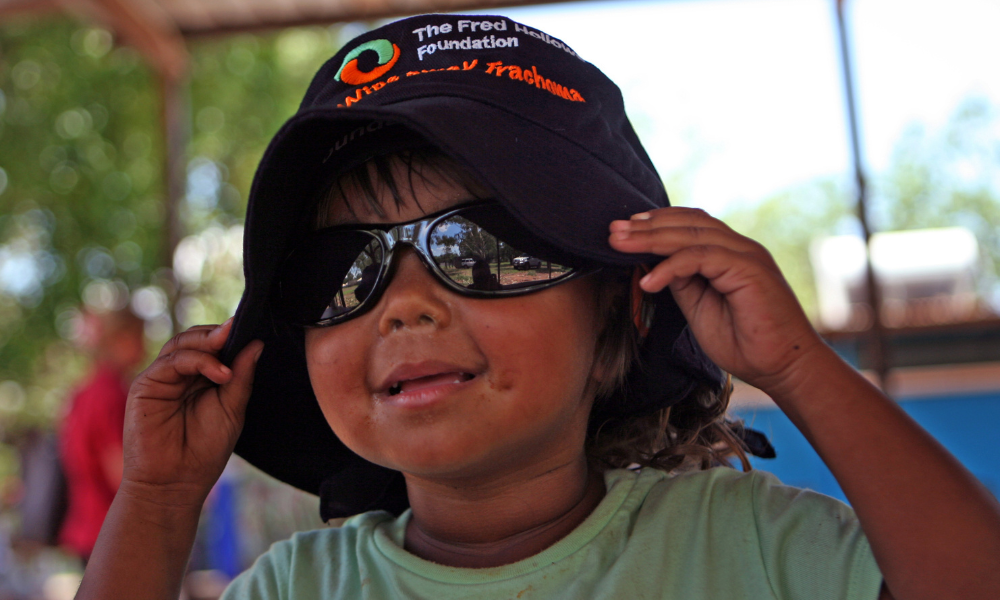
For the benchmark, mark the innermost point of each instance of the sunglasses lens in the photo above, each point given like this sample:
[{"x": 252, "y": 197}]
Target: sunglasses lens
[
  {"x": 329, "y": 275},
  {"x": 480, "y": 251},
  {"x": 359, "y": 281}
]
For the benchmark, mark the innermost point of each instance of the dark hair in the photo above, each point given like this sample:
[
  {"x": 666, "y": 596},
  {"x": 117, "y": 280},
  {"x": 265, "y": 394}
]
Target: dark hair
[{"x": 693, "y": 434}]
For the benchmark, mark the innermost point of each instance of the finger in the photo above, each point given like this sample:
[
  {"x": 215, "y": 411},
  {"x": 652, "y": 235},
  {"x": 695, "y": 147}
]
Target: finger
[
  {"x": 726, "y": 269},
  {"x": 208, "y": 338},
  {"x": 176, "y": 369},
  {"x": 675, "y": 216},
  {"x": 236, "y": 393},
  {"x": 670, "y": 239}
]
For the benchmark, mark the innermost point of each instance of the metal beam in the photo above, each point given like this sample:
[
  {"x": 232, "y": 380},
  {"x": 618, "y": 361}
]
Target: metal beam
[
  {"x": 946, "y": 344},
  {"x": 354, "y": 11},
  {"x": 10, "y": 8},
  {"x": 145, "y": 26},
  {"x": 142, "y": 24},
  {"x": 878, "y": 348}
]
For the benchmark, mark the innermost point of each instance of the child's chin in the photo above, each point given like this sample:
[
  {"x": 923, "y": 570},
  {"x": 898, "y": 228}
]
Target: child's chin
[{"x": 441, "y": 465}]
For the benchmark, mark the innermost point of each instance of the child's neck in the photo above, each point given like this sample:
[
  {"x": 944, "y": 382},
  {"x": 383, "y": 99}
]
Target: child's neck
[{"x": 501, "y": 522}]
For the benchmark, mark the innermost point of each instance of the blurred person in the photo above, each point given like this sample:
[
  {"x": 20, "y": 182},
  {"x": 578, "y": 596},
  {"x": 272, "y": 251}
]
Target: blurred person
[
  {"x": 41, "y": 491},
  {"x": 91, "y": 434}
]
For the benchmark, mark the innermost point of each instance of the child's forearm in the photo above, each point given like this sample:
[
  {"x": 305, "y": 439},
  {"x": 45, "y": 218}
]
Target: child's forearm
[
  {"x": 934, "y": 529},
  {"x": 182, "y": 420},
  {"x": 143, "y": 550}
]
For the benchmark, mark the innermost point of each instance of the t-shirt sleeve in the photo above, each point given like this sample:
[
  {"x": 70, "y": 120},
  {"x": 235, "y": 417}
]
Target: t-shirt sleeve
[
  {"x": 262, "y": 581},
  {"x": 811, "y": 544}
]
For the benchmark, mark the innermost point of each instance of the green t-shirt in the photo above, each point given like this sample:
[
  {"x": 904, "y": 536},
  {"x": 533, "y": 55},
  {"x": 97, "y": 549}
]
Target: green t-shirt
[{"x": 717, "y": 534}]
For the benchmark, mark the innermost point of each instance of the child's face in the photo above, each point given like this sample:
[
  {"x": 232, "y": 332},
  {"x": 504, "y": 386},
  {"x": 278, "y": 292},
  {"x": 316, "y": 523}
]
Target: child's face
[{"x": 489, "y": 386}]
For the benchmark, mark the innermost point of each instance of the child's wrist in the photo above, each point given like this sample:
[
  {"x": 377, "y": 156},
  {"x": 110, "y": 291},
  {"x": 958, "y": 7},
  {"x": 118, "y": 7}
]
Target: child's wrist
[
  {"x": 821, "y": 383},
  {"x": 816, "y": 362},
  {"x": 180, "y": 502}
]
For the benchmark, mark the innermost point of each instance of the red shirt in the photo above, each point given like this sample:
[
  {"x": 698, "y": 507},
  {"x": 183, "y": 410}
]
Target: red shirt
[{"x": 92, "y": 428}]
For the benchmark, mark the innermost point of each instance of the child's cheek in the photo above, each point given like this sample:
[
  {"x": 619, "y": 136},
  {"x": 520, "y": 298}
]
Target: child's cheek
[
  {"x": 503, "y": 380},
  {"x": 334, "y": 372}
]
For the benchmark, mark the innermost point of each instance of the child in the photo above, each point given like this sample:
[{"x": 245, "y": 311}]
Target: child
[{"x": 505, "y": 413}]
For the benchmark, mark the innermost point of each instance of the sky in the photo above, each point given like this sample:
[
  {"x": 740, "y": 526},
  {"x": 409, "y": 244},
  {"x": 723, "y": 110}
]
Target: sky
[{"x": 745, "y": 98}]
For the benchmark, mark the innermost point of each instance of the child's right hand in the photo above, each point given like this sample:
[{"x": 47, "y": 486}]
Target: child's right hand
[{"x": 183, "y": 417}]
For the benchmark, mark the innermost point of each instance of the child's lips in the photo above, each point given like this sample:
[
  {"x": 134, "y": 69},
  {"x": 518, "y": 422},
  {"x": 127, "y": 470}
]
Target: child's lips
[
  {"x": 426, "y": 391},
  {"x": 413, "y": 385},
  {"x": 420, "y": 384}
]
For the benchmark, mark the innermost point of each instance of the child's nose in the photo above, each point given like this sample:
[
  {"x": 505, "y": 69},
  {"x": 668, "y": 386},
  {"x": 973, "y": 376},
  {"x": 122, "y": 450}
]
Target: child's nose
[{"x": 413, "y": 298}]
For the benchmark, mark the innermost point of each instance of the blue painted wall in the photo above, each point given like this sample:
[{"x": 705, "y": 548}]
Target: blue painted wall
[{"x": 968, "y": 425}]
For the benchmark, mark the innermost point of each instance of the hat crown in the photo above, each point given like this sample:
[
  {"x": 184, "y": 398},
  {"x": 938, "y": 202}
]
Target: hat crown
[{"x": 459, "y": 46}]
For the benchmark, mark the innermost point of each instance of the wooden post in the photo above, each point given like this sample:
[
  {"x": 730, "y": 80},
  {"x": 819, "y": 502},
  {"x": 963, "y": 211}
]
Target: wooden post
[{"x": 175, "y": 129}]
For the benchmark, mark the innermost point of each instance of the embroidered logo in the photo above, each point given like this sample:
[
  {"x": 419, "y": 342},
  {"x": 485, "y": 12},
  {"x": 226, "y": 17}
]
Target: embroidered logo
[{"x": 349, "y": 73}]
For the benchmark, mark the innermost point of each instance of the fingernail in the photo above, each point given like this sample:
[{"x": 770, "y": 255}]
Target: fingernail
[
  {"x": 644, "y": 280},
  {"x": 620, "y": 235},
  {"x": 643, "y": 216},
  {"x": 225, "y": 369}
]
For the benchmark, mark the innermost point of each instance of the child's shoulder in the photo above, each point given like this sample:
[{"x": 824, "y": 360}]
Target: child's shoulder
[
  {"x": 723, "y": 495},
  {"x": 717, "y": 483}
]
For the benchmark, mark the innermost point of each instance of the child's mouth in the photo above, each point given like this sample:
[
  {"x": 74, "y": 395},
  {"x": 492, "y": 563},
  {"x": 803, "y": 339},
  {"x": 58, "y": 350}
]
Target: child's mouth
[{"x": 413, "y": 385}]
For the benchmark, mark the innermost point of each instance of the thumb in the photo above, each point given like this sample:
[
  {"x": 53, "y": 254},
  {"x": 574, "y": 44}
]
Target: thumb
[{"x": 236, "y": 393}]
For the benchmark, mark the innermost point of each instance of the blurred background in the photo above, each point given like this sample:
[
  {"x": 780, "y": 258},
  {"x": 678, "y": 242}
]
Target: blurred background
[{"x": 130, "y": 131}]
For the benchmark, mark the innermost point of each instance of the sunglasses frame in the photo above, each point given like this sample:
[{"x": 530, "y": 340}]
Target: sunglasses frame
[{"x": 419, "y": 241}]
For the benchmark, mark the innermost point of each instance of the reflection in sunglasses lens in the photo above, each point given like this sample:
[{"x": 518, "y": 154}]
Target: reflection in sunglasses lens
[
  {"x": 358, "y": 282},
  {"x": 360, "y": 279},
  {"x": 474, "y": 258}
]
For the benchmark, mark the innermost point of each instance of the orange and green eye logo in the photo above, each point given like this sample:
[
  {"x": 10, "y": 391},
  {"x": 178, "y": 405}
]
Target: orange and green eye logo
[{"x": 388, "y": 54}]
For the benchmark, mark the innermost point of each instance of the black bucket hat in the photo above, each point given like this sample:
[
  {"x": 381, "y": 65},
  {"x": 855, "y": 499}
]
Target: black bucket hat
[{"x": 545, "y": 130}]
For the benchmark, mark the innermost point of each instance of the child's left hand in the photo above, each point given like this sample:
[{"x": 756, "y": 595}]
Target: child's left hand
[{"x": 738, "y": 304}]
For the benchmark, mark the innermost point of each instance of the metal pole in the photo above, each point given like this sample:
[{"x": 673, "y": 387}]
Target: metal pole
[{"x": 876, "y": 335}]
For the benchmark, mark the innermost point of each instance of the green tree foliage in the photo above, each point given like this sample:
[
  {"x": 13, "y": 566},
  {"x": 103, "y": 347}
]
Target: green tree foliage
[
  {"x": 82, "y": 193},
  {"x": 81, "y": 205},
  {"x": 475, "y": 242}
]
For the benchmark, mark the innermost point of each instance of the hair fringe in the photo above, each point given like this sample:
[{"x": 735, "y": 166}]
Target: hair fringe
[{"x": 380, "y": 174}]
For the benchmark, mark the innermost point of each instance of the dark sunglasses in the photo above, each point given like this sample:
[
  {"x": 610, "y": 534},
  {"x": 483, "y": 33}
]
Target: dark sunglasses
[{"x": 478, "y": 250}]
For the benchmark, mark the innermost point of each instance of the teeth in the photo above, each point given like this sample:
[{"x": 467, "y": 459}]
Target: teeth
[{"x": 397, "y": 387}]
